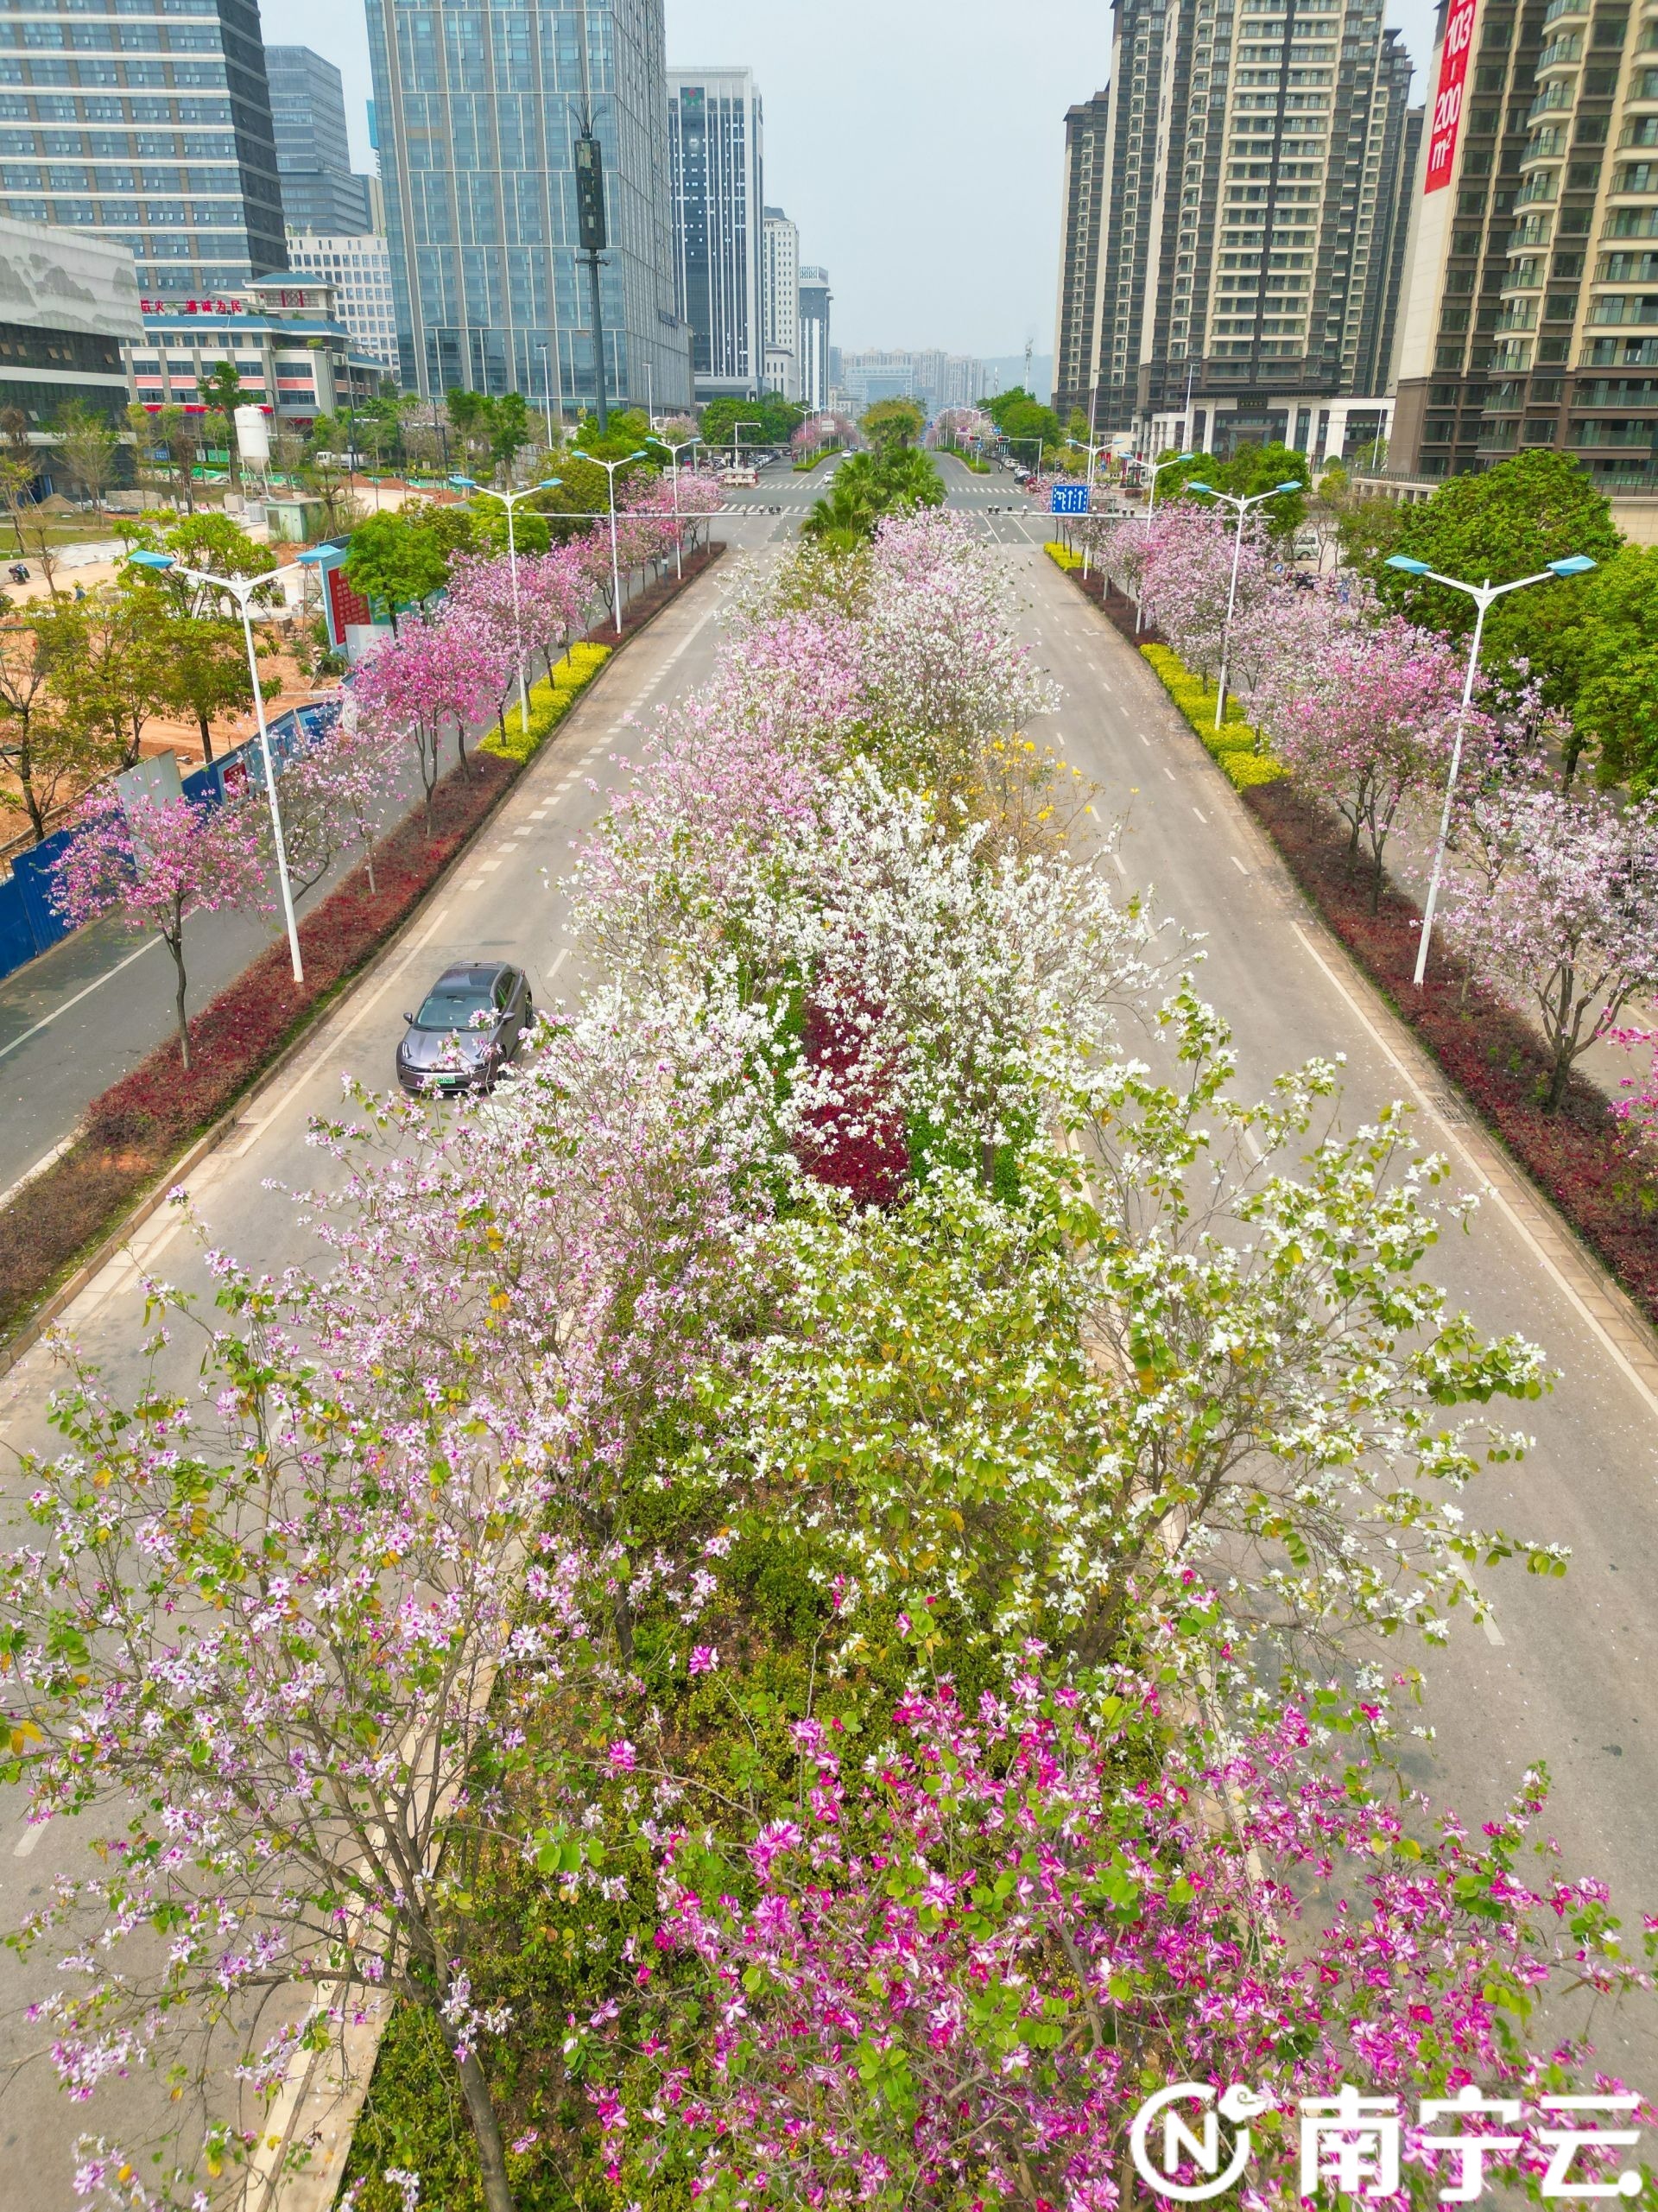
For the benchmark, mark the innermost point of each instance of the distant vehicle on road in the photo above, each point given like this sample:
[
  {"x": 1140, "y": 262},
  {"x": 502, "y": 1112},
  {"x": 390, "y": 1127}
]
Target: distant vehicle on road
[
  {"x": 470, "y": 1025},
  {"x": 742, "y": 477}
]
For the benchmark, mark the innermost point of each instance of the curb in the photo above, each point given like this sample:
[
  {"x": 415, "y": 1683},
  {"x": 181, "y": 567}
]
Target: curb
[{"x": 29, "y": 1334}]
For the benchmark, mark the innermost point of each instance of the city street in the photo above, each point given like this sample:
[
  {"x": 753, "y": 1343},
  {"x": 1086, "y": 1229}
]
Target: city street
[{"x": 1566, "y": 1677}]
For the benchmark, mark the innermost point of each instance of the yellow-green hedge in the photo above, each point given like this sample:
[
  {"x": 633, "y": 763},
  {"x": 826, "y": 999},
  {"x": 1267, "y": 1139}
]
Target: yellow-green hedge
[
  {"x": 1062, "y": 556},
  {"x": 1234, "y": 745},
  {"x": 549, "y": 702}
]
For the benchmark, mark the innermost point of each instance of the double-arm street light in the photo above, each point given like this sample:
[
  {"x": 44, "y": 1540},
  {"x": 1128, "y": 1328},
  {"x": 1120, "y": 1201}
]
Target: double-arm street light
[
  {"x": 510, "y": 500},
  {"x": 610, "y": 467},
  {"x": 1237, "y": 499},
  {"x": 1157, "y": 468},
  {"x": 1483, "y": 597},
  {"x": 244, "y": 590},
  {"x": 747, "y": 422},
  {"x": 673, "y": 453}
]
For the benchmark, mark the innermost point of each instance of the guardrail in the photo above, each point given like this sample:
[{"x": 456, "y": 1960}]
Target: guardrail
[{"x": 30, "y": 923}]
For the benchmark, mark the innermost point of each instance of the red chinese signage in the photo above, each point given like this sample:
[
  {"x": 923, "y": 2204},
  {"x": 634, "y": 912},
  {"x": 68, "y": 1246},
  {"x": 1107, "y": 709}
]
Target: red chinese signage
[
  {"x": 191, "y": 308},
  {"x": 1447, "y": 102}
]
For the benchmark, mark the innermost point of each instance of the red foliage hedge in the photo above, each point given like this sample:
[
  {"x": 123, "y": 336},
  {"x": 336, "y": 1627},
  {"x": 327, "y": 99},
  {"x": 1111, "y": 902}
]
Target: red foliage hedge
[
  {"x": 1582, "y": 1157},
  {"x": 143, "y": 1121}
]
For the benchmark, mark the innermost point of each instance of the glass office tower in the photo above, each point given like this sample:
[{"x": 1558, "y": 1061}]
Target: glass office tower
[
  {"x": 476, "y": 111},
  {"x": 151, "y": 127}
]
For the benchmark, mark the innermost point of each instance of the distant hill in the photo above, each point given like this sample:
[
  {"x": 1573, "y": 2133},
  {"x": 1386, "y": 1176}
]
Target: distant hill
[{"x": 1011, "y": 368}]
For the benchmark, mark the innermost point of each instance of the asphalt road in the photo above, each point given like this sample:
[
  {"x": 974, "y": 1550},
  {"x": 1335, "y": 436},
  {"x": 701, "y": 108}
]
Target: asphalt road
[{"x": 1566, "y": 1676}]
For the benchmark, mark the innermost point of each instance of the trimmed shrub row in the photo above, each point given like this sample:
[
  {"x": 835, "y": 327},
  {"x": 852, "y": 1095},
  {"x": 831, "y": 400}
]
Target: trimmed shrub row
[
  {"x": 1236, "y": 746},
  {"x": 1064, "y": 557},
  {"x": 549, "y": 702}
]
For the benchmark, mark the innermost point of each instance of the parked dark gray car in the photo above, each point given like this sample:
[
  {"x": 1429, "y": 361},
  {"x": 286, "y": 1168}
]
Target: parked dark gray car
[{"x": 472, "y": 1022}]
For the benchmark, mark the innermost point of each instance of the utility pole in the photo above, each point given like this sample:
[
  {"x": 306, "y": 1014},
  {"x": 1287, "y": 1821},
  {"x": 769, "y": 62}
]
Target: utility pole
[{"x": 590, "y": 217}]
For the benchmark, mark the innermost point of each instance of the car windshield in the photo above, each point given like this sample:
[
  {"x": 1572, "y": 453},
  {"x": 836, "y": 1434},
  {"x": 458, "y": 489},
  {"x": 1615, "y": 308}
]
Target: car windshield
[{"x": 455, "y": 1006}]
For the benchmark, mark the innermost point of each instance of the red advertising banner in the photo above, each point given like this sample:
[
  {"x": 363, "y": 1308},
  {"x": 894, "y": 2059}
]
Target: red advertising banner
[{"x": 1447, "y": 103}]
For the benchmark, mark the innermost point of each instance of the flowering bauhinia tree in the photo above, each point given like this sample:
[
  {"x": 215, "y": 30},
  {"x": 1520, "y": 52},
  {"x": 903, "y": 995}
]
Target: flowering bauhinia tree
[
  {"x": 1366, "y": 720},
  {"x": 953, "y": 1978},
  {"x": 1564, "y": 921},
  {"x": 256, "y": 1646},
  {"x": 153, "y": 867}
]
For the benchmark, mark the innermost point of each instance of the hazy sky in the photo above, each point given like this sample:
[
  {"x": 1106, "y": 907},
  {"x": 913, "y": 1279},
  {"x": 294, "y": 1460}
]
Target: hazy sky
[{"x": 918, "y": 144}]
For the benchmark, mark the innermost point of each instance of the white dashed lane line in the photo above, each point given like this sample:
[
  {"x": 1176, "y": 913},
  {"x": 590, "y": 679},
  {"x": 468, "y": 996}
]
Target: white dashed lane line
[{"x": 1237, "y": 864}]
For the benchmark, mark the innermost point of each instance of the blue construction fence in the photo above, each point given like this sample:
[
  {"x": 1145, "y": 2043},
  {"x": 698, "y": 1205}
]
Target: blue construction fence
[{"x": 30, "y": 923}]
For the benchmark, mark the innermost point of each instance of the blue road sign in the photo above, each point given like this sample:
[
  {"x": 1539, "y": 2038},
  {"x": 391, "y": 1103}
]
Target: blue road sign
[{"x": 1069, "y": 499}]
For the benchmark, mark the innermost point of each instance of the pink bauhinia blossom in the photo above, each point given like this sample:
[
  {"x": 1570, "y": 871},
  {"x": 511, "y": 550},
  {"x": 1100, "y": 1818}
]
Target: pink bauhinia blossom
[
  {"x": 1367, "y": 720},
  {"x": 1565, "y": 921},
  {"x": 956, "y": 1981},
  {"x": 152, "y": 867}
]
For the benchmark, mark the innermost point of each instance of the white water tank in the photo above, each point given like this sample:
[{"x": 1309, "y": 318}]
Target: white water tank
[{"x": 253, "y": 436}]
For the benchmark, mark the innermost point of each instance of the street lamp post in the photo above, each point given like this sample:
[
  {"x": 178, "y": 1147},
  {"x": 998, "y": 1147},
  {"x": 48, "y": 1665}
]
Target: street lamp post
[
  {"x": 1092, "y": 452},
  {"x": 610, "y": 467},
  {"x": 510, "y": 500},
  {"x": 747, "y": 422},
  {"x": 1483, "y": 597},
  {"x": 243, "y": 589},
  {"x": 1237, "y": 499},
  {"x": 547, "y": 389},
  {"x": 1157, "y": 468},
  {"x": 673, "y": 453}
]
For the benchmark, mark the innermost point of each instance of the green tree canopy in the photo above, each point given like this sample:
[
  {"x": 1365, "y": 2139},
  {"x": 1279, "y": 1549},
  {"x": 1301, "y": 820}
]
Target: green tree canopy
[
  {"x": 1507, "y": 522},
  {"x": 777, "y": 418},
  {"x": 402, "y": 559},
  {"x": 1247, "y": 472},
  {"x": 892, "y": 424},
  {"x": 868, "y": 486}
]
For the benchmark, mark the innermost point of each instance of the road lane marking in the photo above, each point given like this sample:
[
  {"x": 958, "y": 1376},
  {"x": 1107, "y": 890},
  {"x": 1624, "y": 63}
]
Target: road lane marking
[
  {"x": 1237, "y": 864},
  {"x": 1143, "y": 738},
  {"x": 30, "y": 1836},
  {"x": 1169, "y": 771},
  {"x": 1201, "y": 814},
  {"x": 1493, "y": 1633},
  {"x": 46, "y": 1020}
]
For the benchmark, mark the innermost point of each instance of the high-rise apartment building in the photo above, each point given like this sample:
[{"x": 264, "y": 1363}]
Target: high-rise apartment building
[
  {"x": 1532, "y": 314},
  {"x": 358, "y": 266},
  {"x": 1087, "y": 135},
  {"x": 148, "y": 125},
  {"x": 314, "y": 153},
  {"x": 780, "y": 292},
  {"x": 1254, "y": 155},
  {"x": 716, "y": 153},
  {"x": 476, "y": 113},
  {"x": 815, "y": 303}
]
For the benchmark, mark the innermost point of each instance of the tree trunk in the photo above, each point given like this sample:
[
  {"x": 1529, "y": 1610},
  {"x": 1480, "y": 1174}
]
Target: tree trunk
[
  {"x": 206, "y": 738},
  {"x": 460, "y": 739},
  {"x": 1560, "y": 1074},
  {"x": 486, "y": 2131},
  {"x": 175, "y": 945}
]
